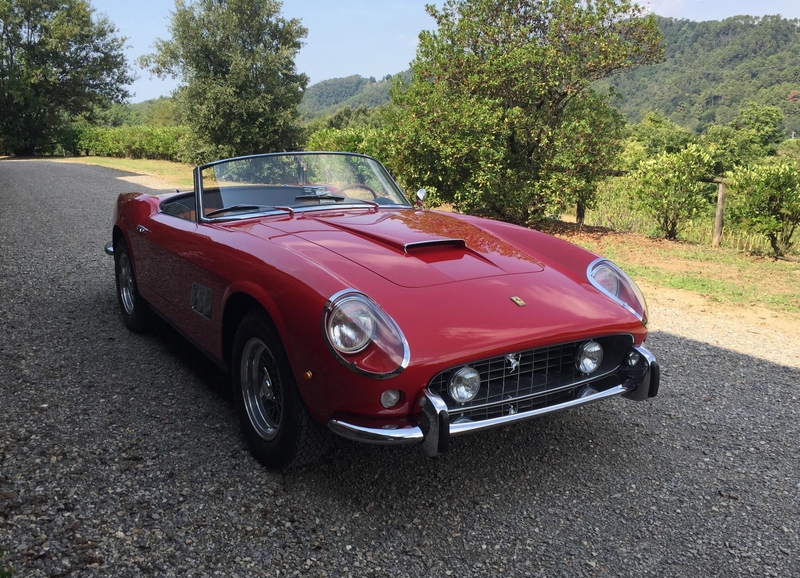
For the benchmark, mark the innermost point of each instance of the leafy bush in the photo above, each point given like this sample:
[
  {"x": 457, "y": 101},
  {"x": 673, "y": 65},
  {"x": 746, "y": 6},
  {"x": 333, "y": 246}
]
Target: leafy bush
[
  {"x": 137, "y": 142},
  {"x": 670, "y": 187},
  {"x": 766, "y": 197}
]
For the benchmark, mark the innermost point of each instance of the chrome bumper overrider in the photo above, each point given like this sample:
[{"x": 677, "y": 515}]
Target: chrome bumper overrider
[
  {"x": 109, "y": 248},
  {"x": 434, "y": 429}
]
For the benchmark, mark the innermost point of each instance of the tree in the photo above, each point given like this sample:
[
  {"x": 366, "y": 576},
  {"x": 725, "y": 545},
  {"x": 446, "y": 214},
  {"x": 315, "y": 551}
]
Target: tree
[
  {"x": 670, "y": 187},
  {"x": 764, "y": 123},
  {"x": 485, "y": 116},
  {"x": 593, "y": 131},
  {"x": 57, "y": 60},
  {"x": 767, "y": 199},
  {"x": 240, "y": 88},
  {"x": 658, "y": 134}
]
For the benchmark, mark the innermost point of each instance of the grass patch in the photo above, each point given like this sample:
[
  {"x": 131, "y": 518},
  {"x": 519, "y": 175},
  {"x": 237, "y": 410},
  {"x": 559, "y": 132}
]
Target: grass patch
[{"x": 175, "y": 174}]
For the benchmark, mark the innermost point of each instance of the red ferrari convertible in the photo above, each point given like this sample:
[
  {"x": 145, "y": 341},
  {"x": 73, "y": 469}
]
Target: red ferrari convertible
[{"x": 331, "y": 299}]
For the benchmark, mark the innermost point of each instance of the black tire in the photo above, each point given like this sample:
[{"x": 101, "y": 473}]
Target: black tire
[
  {"x": 136, "y": 313},
  {"x": 274, "y": 419}
]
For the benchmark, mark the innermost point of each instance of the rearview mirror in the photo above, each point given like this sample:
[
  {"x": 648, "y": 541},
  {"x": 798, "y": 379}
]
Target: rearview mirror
[{"x": 421, "y": 194}]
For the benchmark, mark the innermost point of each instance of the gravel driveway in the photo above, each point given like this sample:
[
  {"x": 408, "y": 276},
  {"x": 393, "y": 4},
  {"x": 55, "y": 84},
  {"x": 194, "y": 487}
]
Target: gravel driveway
[{"x": 120, "y": 454}]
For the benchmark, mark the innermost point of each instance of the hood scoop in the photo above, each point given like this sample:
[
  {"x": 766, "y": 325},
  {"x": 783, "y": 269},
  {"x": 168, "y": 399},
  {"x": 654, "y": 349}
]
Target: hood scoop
[{"x": 409, "y": 248}]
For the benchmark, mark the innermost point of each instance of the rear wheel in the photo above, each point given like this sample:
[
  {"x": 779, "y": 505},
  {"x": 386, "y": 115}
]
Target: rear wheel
[
  {"x": 274, "y": 419},
  {"x": 136, "y": 313}
]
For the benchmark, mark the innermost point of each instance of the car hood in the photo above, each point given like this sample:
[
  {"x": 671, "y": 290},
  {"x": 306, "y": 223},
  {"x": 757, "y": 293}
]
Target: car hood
[{"x": 412, "y": 248}]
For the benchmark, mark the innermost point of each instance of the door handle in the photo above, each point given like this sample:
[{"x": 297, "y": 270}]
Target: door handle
[{"x": 142, "y": 229}]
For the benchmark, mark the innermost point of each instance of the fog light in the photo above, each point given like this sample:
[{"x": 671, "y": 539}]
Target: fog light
[
  {"x": 464, "y": 385},
  {"x": 633, "y": 359},
  {"x": 389, "y": 398},
  {"x": 589, "y": 357}
]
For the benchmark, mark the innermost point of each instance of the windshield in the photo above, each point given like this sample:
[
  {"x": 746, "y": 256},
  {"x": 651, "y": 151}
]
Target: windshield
[{"x": 296, "y": 181}]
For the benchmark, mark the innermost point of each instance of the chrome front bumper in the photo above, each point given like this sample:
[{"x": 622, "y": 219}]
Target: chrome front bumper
[{"x": 434, "y": 428}]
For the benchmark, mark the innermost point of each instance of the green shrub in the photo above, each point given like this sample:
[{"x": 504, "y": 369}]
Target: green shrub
[
  {"x": 670, "y": 187},
  {"x": 136, "y": 142},
  {"x": 766, "y": 198}
]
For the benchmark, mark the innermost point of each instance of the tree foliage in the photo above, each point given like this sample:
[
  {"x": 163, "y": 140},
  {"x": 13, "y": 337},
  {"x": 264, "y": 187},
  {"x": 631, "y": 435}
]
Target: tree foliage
[
  {"x": 57, "y": 60},
  {"x": 754, "y": 133},
  {"x": 658, "y": 134},
  {"x": 671, "y": 188},
  {"x": 767, "y": 199},
  {"x": 497, "y": 95},
  {"x": 240, "y": 89}
]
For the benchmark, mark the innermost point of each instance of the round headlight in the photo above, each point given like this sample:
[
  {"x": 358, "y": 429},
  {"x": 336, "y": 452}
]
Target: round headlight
[
  {"x": 351, "y": 325},
  {"x": 612, "y": 281},
  {"x": 589, "y": 357},
  {"x": 363, "y": 337},
  {"x": 464, "y": 384},
  {"x": 608, "y": 279}
]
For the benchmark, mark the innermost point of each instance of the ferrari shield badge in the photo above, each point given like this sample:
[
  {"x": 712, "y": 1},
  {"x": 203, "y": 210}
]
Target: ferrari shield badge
[{"x": 518, "y": 301}]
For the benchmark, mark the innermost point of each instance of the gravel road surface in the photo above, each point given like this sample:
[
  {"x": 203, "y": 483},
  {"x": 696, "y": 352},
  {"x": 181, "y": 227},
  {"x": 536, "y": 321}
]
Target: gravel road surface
[{"x": 120, "y": 454}]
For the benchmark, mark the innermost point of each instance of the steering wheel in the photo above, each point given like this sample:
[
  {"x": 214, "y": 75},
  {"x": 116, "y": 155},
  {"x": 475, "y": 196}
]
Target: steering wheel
[{"x": 357, "y": 186}]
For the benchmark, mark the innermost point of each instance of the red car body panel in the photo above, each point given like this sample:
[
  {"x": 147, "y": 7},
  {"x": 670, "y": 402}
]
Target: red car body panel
[{"x": 447, "y": 280}]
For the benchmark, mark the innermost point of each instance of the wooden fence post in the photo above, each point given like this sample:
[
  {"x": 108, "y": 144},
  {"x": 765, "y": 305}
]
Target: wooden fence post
[{"x": 717, "y": 236}]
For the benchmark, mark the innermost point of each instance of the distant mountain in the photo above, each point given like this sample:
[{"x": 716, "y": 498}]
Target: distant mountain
[
  {"x": 711, "y": 68},
  {"x": 328, "y": 96}
]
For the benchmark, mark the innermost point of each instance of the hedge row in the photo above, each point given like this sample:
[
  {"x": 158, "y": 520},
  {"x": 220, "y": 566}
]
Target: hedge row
[{"x": 136, "y": 142}]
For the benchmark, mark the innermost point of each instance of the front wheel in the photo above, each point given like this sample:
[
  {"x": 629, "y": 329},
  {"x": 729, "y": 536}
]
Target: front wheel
[
  {"x": 136, "y": 313},
  {"x": 275, "y": 422}
]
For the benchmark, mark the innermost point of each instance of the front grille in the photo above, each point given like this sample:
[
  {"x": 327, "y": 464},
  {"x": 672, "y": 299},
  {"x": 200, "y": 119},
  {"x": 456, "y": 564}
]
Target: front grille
[{"x": 526, "y": 380}]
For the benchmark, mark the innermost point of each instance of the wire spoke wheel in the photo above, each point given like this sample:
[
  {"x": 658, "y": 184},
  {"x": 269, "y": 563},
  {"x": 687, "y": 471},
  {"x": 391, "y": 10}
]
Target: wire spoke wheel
[
  {"x": 262, "y": 391},
  {"x": 136, "y": 313},
  {"x": 127, "y": 289},
  {"x": 275, "y": 422}
]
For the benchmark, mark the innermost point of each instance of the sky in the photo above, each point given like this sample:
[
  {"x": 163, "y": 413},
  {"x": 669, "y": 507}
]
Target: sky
[{"x": 366, "y": 37}]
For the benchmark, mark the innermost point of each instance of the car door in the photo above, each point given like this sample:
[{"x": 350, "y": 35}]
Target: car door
[{"x": 159, "y": 244}]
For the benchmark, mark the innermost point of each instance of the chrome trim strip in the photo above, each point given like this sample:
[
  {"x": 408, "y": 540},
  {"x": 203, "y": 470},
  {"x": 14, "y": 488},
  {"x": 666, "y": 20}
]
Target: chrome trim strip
[
  {"x": 373, "y": 435},
  {"x": 109, "y": 248},
  {"x": 611, "y": 296},
  {"x": 461, "y": 428}
]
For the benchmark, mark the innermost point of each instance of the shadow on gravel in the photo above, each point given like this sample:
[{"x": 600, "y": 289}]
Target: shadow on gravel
[
  {"x": 193, "y": 360},
  {"x": 703, "y": 388}
]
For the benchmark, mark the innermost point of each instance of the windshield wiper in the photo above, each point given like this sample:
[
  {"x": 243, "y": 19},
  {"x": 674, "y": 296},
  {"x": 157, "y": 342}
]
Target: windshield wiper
[{"x": 239, "y": 208}]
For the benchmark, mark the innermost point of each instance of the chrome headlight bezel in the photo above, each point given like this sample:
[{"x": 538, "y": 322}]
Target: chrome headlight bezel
[
  {"x": 614, "y": 283},
  {"x": 381, "y": 341}
]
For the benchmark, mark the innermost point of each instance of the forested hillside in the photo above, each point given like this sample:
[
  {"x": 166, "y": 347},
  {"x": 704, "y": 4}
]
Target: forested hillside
[
  {"x": 711, "y": 68},
  {"x": 328, "y": 96}
]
